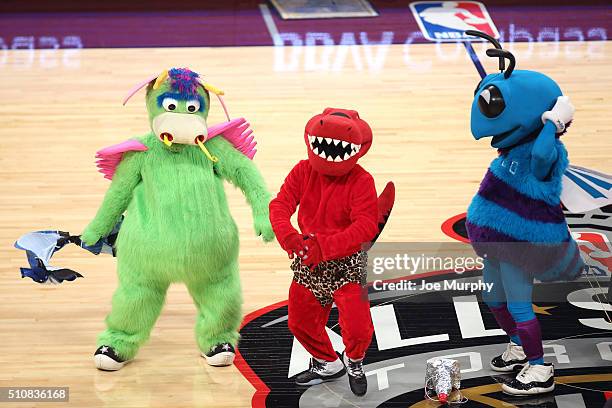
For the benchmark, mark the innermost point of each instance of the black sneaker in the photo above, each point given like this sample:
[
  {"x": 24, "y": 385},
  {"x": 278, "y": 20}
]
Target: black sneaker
[
  {"x": 533, "y": 379},
  {"x": 357, "y": 378},
  {"x": 512, "y": 359},
  {"x": 106, "y": 359},
  {"x": 220, "y": 355},
  {"x": 319, "y": 372}
]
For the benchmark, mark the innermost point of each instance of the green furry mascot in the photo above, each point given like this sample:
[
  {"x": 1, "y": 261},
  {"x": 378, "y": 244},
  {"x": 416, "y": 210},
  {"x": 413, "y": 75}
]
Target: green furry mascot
[{"x": 178, "y": 227}]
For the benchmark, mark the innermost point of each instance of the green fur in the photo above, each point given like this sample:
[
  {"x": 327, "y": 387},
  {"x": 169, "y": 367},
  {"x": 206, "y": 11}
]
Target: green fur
[{"x": 177, "y": 228}]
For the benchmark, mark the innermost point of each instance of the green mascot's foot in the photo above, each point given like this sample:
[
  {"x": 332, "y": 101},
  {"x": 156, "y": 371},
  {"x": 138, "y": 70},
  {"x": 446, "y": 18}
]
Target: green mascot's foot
[
  {"x": 220, "y": 355},
  {"x": 106, "y": 359}
]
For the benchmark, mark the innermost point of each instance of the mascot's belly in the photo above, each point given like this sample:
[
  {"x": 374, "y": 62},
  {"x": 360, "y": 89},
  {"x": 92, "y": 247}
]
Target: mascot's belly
[
  {"x": 488, "y": 221},
  {"x": 512, "y": 205},
  {"x": 179, "y": 216}
]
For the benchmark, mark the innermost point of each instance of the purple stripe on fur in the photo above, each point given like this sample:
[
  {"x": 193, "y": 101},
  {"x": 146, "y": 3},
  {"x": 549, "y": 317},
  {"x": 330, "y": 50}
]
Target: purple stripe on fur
[
  {"x": 498, "y": 191},
  {"x": 538, "y": 259},
  {"x": 477, "y": 233},
  {"x": 531, "y": 338},
  {"x": 504, "y": 319}
]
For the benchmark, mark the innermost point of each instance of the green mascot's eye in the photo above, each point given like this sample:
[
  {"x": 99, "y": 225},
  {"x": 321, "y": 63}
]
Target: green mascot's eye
[
  {"x": 193, "y": 105},
  {"x": 169, "y": 104}
]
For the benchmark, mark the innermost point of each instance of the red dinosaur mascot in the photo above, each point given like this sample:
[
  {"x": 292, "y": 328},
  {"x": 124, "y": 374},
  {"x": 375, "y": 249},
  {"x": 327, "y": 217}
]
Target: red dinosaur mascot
[{"x": 339, "y": 217}]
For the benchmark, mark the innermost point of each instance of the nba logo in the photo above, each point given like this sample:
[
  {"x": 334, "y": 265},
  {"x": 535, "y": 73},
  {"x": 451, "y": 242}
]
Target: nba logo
[
  {"x": 596, "y": 251},
  {"x": 448, "y": 20}
]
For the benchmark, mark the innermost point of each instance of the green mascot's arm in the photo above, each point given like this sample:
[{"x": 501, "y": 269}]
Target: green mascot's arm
[
  {"x": 239, "y": 170},
  {"x": 116, "y": 200}
]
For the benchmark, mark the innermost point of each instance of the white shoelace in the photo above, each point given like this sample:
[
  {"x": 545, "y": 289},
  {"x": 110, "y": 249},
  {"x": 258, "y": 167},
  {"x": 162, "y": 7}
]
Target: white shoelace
[
  {"x": 355, "y": 368},
  {"x": 316, "y": 366}
]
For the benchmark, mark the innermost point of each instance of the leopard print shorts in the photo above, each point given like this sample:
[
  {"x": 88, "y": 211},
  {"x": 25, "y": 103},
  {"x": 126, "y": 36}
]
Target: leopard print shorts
[{"x": 329, "y": 276}]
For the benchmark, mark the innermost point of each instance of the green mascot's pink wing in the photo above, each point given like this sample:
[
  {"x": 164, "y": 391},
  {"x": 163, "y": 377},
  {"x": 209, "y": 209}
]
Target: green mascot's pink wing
[
  {"x": 238, "y": 133},
  {"x": 109, "y": 158}
]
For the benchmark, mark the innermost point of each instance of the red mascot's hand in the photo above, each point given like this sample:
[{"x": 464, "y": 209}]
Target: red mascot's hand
[
  {"x": 314, "y": 255},
  {"x": 294, "y": 244}
]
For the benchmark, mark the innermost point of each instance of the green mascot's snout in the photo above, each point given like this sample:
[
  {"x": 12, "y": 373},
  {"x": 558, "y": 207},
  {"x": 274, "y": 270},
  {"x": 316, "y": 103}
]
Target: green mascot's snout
[{"x": 183, "y": 128}]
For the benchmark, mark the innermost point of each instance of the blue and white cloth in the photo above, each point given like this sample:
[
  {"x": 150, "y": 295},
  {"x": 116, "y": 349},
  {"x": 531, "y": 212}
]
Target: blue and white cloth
[{"x": 40, "y": 246}]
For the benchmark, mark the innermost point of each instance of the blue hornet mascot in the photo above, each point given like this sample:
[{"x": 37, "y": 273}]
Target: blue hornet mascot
[{"x": 516, "y": 219}]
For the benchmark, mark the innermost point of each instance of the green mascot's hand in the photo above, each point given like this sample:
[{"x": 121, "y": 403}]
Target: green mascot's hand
[
  {"x": 263, "y": 227},
  {"x": 89, "y": 237}
]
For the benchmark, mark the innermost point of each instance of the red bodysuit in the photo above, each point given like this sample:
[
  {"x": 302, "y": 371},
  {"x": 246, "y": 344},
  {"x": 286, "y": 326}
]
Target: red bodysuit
[
  {"x": 342, "y": 211},
  {"x": 338, "y": 213}
]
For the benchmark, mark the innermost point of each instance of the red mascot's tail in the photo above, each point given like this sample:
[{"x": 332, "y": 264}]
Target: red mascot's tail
[{"x": 386, "y": 199}]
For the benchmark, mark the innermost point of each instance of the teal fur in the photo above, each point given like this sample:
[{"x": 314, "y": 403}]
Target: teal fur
[
  {"x": 178, "y": 228},
  {"x": 525, "y": 181},
  {"x": 486, "y": 213}
]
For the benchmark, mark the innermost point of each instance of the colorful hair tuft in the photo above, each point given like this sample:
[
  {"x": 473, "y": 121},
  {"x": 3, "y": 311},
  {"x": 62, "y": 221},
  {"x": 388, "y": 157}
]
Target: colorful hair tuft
[{"x": 184, "y": 81}]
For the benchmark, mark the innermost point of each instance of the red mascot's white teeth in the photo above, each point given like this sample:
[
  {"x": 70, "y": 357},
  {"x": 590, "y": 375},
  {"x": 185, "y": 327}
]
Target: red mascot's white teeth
[{"x": 333, "y": 150}]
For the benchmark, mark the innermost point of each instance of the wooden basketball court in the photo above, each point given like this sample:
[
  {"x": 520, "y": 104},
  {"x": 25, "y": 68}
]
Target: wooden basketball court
[{"x": 54, "y": 119}]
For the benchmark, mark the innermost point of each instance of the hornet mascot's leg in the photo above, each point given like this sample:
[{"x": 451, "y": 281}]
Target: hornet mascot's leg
[
  {"x": 516, "y": 218},
  {"x": 178, "y": 227},
  {"x": 339, "y": 216}
]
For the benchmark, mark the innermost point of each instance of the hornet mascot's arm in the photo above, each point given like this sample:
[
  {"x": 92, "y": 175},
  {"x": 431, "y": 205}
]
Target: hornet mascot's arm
[
  {"x": 116, "y": 200},
  {"x": 544, "y": 154},
  {"x": 241, "y": 172}
]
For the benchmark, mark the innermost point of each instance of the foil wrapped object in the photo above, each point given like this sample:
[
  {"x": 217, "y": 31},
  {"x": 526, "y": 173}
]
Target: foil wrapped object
[{"x": 442, "y": 376}]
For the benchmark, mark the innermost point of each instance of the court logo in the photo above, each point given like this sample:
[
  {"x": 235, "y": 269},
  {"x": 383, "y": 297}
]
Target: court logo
[
  {"x": 410, "y": 328},
  {"x": 448, "y": 20},
  {"x": 598, "y": 248}
]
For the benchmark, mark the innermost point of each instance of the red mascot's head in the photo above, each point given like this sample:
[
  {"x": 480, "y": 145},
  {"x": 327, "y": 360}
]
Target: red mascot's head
[{"x": 336, "y": 139}]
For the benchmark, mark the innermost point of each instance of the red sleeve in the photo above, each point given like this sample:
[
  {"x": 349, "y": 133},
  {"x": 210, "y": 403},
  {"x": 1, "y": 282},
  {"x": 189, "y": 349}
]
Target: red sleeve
[
  {"x": 284, "y": 205},
  {"x": 364, "y": 226}
]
